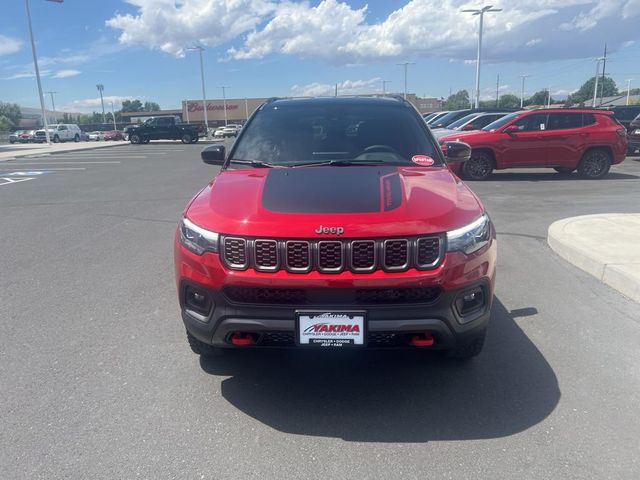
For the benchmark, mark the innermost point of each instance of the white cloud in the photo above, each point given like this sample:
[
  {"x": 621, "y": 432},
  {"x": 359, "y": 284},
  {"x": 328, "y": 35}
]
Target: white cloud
[
  {"x": 9, "y": 45},
  {"x": 89, "y": 104},
  {"x": 66, "y": 73},
  {"x": 27, "y": 74},
  {"x": 348, "y": 87},
  {"x": 337, "y": 33},
  {"x": 172, "y": 26}
]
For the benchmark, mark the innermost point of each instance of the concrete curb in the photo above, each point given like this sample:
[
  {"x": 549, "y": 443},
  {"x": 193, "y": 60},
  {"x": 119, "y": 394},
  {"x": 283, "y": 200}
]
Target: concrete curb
[
  {"x": 604, "y": 245},
  {"x": 33, "y": 153}
]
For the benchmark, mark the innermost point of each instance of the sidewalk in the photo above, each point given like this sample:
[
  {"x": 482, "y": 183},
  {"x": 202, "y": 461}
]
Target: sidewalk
[
  {"x": 606, "y": 245},
  {"x": 9, "y": 152}
]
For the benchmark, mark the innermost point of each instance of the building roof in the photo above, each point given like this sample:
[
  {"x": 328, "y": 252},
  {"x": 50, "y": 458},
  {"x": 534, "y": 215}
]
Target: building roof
[{"x": 158, "y": 113}]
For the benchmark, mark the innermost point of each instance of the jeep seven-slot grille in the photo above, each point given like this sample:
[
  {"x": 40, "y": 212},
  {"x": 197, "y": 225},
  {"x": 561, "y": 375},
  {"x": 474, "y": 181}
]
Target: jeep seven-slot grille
[{"x": 332, "y": 256}]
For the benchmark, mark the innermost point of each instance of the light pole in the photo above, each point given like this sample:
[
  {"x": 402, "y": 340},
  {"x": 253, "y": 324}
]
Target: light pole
[
  {"x": 246, "y": 108},
  {"x": 35, "y": 65},
  {"x": 595, "y": 86},
  {"x": 548, "y": 97},
  {"x": 628, "y": 89},
  {"x": 481, "y": 12},
  {"x": 224, "y": 103},
  {"x": 113, "y": 113},
  {"x": 186, "y": 109},
  {"x": 100, "y": 88},
  {"x": 204, "y": 95},
  {"x": 384, "y": 86},
  {"x": 522, "y": 90},
  {"x": 405, "y": 64},
  {"x": 53, "y": 104}
]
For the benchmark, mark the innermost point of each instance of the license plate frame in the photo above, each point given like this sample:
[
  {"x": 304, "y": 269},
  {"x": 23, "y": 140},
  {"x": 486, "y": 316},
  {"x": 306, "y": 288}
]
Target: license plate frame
[{"x": 325, "y": 338}]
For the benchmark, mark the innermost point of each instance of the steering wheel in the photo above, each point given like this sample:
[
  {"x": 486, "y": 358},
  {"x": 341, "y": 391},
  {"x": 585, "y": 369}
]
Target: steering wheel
[{"x": 377, "y": 149}]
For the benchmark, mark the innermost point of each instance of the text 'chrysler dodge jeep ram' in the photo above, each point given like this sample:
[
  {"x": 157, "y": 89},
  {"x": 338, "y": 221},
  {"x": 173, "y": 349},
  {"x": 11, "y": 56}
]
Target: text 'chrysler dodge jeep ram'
[{"x": 336, "y": 223}]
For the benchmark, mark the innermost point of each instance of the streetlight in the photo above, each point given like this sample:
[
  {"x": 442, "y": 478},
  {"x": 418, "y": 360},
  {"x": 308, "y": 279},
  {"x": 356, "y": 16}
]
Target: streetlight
[
  {"x": 405, "y": 64},
  {"x": 246, "y": 108},
  {"x": 384, "y": 86},
  {"x": 481, "y": 12},
  {"x": 224, "y": 103},
  {"x": 113, "y": 113},
  {"x": 100, "y": 88},
  {"x": 35, "y": 65},
  {"x": 628, "y": 89},
  {"x": 204, "y": 95},
  {"x": 53, "y": 104},
  {"x": 595, "y": 86},
  {"x": 522, "y": 90}
]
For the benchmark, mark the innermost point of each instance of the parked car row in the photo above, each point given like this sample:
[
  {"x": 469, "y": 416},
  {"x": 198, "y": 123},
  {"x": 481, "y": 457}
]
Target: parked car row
[
  {"x": 230, "y": 130},
  {"x": 63, "y": 133}
]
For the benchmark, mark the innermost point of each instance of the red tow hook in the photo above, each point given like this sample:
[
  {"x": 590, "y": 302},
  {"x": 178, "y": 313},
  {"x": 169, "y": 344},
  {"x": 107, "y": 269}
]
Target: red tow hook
[
  {"x": 242, "y": 339},
  {"x": 422, "y": 340}
]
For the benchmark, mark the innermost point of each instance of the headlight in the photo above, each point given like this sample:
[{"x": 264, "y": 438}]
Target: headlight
[
  {"x": 197, "y": 239},
  {"x": 471, "y": 237}
]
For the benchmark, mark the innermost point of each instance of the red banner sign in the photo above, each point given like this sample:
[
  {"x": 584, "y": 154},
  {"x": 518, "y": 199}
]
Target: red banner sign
[{"x": 197, "y": 106}]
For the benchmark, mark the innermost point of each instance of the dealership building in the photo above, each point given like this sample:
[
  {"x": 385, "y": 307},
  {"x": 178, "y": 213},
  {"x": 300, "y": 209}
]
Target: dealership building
[{"x": 239, "y": 109}]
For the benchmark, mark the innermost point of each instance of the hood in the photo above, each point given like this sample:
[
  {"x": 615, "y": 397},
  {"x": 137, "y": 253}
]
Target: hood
[
  {"x": 364, "y": 201},
  {"x": 466, "y": 136}
]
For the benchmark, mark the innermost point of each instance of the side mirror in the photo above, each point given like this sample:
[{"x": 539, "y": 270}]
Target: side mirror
[
  {"x": 213, "y": 154},
  {"x": 456, "y": 151},
  {"x": 469, "y": 126},
  {"x": 511, "y": 129}
]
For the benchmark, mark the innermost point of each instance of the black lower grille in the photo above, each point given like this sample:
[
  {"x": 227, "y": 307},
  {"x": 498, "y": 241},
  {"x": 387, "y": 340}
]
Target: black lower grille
[
  {"x": 332, "y": 296},
  {"x": 384, "y": 339},
  {"x": 277, "y": 339},
  {"x": 374, "y": 339}
]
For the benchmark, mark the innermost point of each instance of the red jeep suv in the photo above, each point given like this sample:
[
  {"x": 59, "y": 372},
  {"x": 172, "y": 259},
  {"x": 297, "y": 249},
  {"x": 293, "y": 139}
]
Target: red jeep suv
[
  {"x": 589, "y": 141},
  {"x": 336, "y": 223}
]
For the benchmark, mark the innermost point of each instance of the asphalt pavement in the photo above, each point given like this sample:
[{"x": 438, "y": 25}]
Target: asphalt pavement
[{"x": 97, "y": 380}]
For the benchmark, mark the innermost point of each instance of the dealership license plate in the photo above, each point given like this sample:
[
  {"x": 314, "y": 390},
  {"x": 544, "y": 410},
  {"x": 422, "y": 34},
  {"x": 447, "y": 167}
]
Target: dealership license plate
[{"x": 331, "y": 329}]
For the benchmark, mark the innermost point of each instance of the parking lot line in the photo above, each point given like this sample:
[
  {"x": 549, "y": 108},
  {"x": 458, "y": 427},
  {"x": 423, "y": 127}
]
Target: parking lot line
[
  {"x": 18, "y": 169},
  {"x": 66, "y": 163}
]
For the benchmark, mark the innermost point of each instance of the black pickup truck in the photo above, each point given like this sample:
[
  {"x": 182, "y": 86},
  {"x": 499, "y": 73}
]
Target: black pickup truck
[{"x": 163, "y": 128}]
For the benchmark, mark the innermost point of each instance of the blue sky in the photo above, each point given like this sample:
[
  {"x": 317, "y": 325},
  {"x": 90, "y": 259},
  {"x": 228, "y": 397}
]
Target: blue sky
[{"x": 262, "y": 48}]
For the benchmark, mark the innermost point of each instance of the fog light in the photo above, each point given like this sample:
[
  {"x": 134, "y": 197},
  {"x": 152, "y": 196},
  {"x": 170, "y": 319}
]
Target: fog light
[
  {"x": 197, "y": 300},
  {"x": 470, "y": 302}
]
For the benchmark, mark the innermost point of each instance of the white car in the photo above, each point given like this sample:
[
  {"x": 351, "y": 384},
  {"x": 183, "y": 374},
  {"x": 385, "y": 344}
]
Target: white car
[
  {"x": 63, "y": 132},
  {"x": 97, "y": 136},
  {"x": 230, "y": 130}
]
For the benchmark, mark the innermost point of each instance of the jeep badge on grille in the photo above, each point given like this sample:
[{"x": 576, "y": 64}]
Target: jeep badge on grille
[{"x": 329, "y": 230}]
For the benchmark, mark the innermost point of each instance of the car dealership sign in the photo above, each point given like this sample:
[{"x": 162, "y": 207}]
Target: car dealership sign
[{"x": 197, "y": 106}]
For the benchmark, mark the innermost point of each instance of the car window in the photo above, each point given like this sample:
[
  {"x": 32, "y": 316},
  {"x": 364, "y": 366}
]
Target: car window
[
  {"x": 531, "y": 123},
  {"x": 463, "y": 120},
  {"x": 288, "y": 134},
  {"x": 501, "y": 121},
  {"x": 484, "y": 120},
  {"x": 450, "y": 117},
  {"x": 588, "y": 119},
  {"x": 564, "y": 121},
  {"x": 62, "y": 127}
]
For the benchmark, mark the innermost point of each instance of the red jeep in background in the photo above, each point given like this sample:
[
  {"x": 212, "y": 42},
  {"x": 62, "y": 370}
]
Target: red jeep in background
[{"x": 586, "y": 140}]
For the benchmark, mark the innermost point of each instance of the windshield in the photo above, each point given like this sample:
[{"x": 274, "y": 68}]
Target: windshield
[
  {"x": 449, "y": 118},
  {"x": 501, "y": 121},
  {"x": 463, "y": 120},
  {"x": 436, "y": 117},
  {"x": 288, "y": 135}
]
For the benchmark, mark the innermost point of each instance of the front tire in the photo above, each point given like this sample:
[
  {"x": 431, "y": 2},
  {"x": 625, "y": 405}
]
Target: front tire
[
  {"x": 56, "y": 139},
  {"x": 76, "y": 138},
  {"x": 595, "y": 164},
  {"x": 135, "y": 139},
  {"x": 186, "y": 138},
  {"x": 478, "y": 167},
  {"x": 564, "y": 170},
  {"x": 469, "y": 348},
  {"x": 203, "y": 349}
]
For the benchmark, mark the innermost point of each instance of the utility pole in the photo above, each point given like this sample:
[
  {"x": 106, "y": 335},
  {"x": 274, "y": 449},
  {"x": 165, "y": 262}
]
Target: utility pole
[
  {"x": 628, "y": 89},
  {"x": 595, "y": 86},
  {"x": 497, "y": 89},
  {"x": 246, "y": 108},
  {"x": 548, "y": 97},
  {"x": 224, "y": 103},
  {"x": 405, "y": 64},
  {"x": 35, "y": 65},
  {"x": 522, "y": 90},
  {"x": 480, "y": 12},
  {"x": 100, "y": 88},
  {"x": 384, "y": 86},
  {"x": 336, "y": 92},
  {"x": 186, "y": 109},
  {"x": 604, "y": 67},
  {"x": 113, "y": 112},
  {"x": 204, "y": 95},
  {"x": 53, "y": 105}
]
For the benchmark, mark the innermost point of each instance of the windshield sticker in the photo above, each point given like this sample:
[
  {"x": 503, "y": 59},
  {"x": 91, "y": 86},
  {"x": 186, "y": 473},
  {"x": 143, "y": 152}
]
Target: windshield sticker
[{"x": 423, "y": 160}]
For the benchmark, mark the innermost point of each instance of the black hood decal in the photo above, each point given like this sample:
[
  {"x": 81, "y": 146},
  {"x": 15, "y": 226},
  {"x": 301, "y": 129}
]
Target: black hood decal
[{"x": 332, "y": 189}]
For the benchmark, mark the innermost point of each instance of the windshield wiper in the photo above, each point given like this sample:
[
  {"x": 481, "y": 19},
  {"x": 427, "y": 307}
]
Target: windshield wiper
[
  {"x": 255, "y": 163},
  {"x": 338, "y": 163}
]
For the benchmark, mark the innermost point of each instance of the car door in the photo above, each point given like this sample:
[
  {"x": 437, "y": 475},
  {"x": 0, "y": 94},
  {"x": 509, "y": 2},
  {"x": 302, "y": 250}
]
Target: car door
[
  {"x": 162, "y": 128},
  {"x": 524, "y": 147},
  {"x": 564, "y": 139},
  {"x": 63, "y": 132}
]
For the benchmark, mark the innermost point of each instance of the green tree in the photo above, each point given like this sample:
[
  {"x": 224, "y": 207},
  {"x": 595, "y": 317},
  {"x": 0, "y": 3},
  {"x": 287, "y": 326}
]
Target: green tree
[
  {"x": 11, "y": 111},
  {"x": 538, "y": 98},
  {"x": 457, "y": 101},
  {"x": 6, "y": 124},
  {"x": 132, "y": 106},
  {"x": 508, "y": 100},
  {"x": 151, "y": 107},
  {"x": 585, "y": 93}
]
